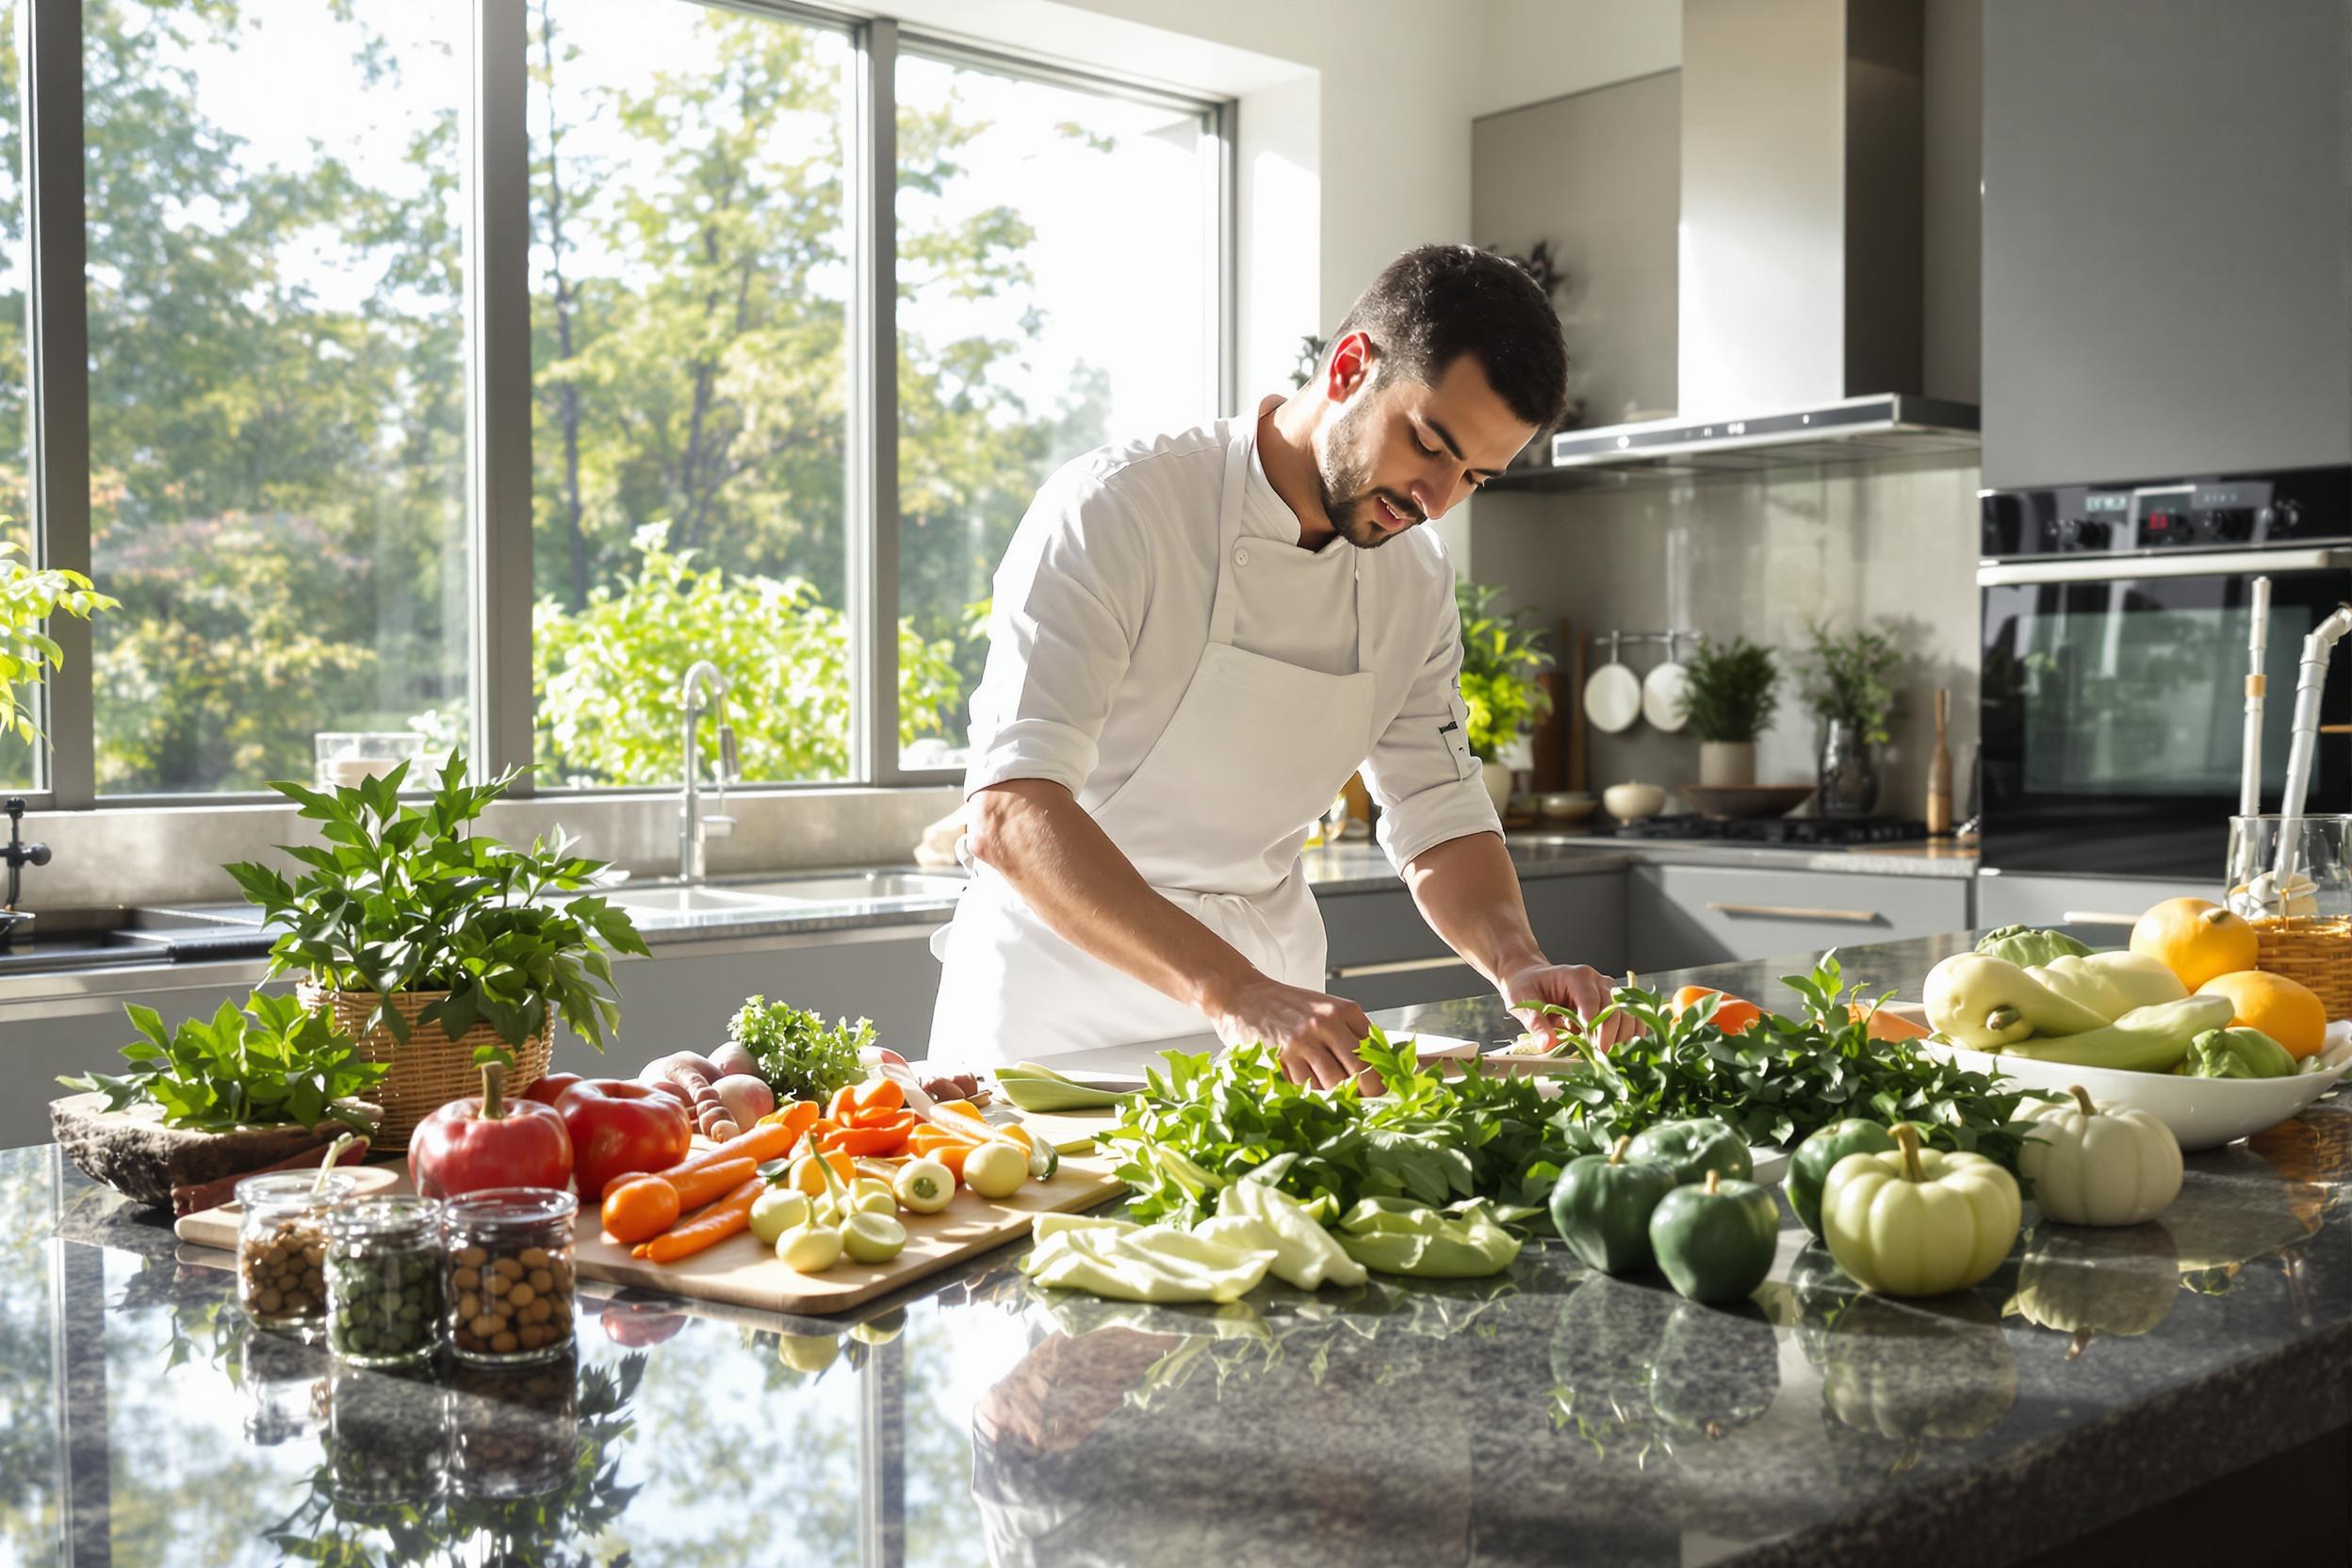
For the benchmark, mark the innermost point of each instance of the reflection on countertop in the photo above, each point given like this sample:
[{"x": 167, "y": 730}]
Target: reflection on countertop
[{"x": 1550, "y": 1413}]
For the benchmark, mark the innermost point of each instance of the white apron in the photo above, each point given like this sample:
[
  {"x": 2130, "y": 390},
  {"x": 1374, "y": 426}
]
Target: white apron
[{"x": 1213, "y": 818}]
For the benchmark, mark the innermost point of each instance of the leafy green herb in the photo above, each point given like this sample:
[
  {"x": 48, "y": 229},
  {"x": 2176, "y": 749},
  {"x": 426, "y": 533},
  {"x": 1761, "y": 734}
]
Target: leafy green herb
[
  {"x": 407, "y": 898},
  {"x": 1428, "y": 1138},
  {"x": 800, "y": 1055},
  {"x": 264, "y": 1065},
  {"x": 28, "y": 597},
  {"x": 1730, "y": 691},
  {"x": 1786, "y": 1077}
]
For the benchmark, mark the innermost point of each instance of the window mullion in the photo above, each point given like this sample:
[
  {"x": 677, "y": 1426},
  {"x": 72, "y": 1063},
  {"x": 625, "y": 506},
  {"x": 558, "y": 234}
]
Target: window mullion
[
  {"x": 874, "y": 519},
  {"x": 498, "y": 404},
  {"x": 58, "y": 364}
]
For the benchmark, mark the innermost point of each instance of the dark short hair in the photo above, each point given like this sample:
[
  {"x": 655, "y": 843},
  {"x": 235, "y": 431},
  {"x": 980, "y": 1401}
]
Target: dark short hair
[{"x": 1430, "y": 306}]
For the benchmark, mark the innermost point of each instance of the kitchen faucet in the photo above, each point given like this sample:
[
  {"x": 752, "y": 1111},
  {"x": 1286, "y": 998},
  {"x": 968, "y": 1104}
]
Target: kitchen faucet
[
  {"x": 18, "y": 854},
  {"x": 693, "y": 825}
]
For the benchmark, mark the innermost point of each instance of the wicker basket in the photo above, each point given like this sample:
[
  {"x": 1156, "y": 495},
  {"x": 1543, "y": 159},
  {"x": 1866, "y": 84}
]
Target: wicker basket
[
  {"x": 2315, "y": 950},
  {"x": 429, "y": 1070}
]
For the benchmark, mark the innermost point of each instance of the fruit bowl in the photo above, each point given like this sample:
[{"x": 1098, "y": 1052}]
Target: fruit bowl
[{"x": 2203, "y": 1113}]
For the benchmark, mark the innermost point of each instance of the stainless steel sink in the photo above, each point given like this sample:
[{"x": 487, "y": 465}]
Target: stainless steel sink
[
  {"x": 691, "y": 901},
  {"x": 863, "y": 886},
  {"x": 112, "y": 935}
]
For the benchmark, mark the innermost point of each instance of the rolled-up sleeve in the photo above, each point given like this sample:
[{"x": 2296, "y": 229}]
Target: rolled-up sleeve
[
  {"x": 1421, "y": 771},
  {"x": 1070, "y": 596}
]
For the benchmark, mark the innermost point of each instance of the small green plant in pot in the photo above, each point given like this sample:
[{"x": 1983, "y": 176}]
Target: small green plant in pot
[
  {"x": 1851, "y": 686},
  {"x": 1730, "y": 692},
  {"x": 1500, "y": 660},
  {"x": 424, "y": 939}
]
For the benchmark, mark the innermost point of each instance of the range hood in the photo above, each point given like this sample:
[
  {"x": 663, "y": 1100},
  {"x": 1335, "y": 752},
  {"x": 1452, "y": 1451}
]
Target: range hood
[{"x": 1800, "y": 303}]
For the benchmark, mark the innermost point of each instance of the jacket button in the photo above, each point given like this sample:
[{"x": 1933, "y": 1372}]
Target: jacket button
[{"x": 1241, "y": 555}]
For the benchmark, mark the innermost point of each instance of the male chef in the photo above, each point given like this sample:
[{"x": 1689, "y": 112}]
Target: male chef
[{"x": 1197, "y": 637}]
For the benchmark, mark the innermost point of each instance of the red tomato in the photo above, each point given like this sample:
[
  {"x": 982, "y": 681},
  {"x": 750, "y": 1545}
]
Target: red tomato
[
  {"x": 468, "y": 1145},
  {"x": 550, "y": 1089},
  {"x": 620, "y": 1128}
]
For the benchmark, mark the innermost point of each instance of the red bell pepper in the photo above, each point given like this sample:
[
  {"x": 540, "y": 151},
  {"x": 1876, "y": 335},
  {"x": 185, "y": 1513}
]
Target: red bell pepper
[
  {"x": 621, "y": 1128},
  {"x": 549, "y": 1089},
  {"x": 468, "y": 1145}
]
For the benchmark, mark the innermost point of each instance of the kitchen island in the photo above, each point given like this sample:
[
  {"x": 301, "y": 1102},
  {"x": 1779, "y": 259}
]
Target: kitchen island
[{"x": 1549, "y": 1415}]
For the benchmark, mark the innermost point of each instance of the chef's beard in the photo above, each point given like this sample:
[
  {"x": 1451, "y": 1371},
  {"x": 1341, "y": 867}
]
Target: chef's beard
[{"x": 1349, "y": 498}]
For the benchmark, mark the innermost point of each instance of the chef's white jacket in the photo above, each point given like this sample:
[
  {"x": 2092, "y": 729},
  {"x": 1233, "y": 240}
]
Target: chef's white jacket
[{"x": 1102, "y": 612}]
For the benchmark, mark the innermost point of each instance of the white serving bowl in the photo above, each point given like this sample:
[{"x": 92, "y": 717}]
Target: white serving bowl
[{"x": 2203, "y": 1113}]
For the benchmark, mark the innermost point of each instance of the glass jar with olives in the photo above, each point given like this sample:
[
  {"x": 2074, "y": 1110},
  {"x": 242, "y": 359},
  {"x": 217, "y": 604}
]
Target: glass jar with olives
[
  {"x": 282, "y": 1247},
  {"x": 384, "y": 1280},
  {"x": 509, "y": 1283}
]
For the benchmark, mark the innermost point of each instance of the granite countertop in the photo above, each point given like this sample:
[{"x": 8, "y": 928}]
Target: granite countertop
[{"x": 1551, "y": 1414}]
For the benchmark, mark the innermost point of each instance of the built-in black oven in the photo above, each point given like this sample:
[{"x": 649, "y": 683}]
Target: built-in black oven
[{"x": 2116, "y": 621}]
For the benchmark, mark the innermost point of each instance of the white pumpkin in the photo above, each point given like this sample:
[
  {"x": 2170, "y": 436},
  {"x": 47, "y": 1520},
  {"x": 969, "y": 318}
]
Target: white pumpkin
[{"x": 2095, "y": 1166}]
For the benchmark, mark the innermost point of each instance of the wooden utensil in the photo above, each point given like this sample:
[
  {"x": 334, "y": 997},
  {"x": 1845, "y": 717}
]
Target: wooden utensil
[{"x": 1939, "y": 772}]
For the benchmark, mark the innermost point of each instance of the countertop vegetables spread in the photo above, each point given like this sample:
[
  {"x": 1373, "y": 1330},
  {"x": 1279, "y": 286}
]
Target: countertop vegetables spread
[
  {"x": 1692, "y": 1147},
  {"x": 2236, "y": 1054},
  {"x": 1714, "y": 1239},
  {"x": 1786, "y": 1077},
  {"x": 1601, "y": 1207},
  {"x": 493, "y": 1142},
  {"x": 1919, "y": 1222},
  {"x": 2096, "y": 1165},
  {"x": 801, "y": 1056},
  {"x": 1813, "y": 1160},
  {"x": 266, "y": 1064}
]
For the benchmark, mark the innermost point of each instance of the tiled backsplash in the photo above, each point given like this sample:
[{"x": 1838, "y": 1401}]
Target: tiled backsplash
[{"x": 1891, "y": 545}]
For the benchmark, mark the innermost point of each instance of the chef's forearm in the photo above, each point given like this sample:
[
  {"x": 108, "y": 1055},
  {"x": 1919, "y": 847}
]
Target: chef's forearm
[
  {"x": 1468, "y": 892},
  {"x": 1066, "y": 870}
]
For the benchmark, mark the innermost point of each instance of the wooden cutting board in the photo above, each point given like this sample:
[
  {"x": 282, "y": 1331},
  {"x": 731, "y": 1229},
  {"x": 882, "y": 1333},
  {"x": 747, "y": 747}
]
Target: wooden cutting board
[{"x": 741, "y": 1272}]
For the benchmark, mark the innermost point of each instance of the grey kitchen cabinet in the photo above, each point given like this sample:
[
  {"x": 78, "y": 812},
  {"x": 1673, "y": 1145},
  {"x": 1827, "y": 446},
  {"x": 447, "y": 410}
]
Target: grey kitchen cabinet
[
  {"x": 2167, "y": 271},
  {"x": 1382, "y": 953},
  {"x": 1678, "y": 916},
  {"x": 2097, "y": 906}
]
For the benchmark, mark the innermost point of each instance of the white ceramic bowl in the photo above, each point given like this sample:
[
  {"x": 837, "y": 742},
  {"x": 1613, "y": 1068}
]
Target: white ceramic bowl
[
  {"x": 1633, "y": 802},
  {"x": 2203, "y": 1113}
]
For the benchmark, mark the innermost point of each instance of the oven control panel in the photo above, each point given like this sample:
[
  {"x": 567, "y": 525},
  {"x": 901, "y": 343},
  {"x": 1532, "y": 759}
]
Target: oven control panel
[{"x": 2296, "y": 506}]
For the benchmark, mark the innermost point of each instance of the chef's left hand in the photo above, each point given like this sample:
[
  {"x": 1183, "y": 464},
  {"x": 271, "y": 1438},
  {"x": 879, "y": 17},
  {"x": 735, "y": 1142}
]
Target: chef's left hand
[{"x": 1582, "y": 989}]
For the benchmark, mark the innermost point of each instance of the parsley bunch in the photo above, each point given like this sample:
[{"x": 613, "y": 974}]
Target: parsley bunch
[
  {"x": 1785, "y": 1077},
  {"x": 800, "y": 1055}
]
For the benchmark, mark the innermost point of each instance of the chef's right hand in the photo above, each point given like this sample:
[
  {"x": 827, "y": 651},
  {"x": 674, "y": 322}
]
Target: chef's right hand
[{"x": 1315, "y": 1036}]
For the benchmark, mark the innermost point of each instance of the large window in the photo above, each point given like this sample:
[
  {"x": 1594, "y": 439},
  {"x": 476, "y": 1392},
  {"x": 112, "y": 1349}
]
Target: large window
[
  {"x": 1057, "y": 287},
  {"x": 382, "y": 304},
  {"x": 277, "y": 449}
]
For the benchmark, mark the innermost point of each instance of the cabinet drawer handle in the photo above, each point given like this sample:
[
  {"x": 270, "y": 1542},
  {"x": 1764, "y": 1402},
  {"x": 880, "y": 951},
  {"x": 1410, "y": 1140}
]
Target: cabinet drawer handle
[
  {"x": 2095, "y": 917},
  {"x": 1397, "y": 966},
  {"x": 1793, "y": 911}
]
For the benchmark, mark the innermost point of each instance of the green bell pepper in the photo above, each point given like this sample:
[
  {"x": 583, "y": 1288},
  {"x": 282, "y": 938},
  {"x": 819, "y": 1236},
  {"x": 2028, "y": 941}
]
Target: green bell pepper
[
  {"x": 1692, "y": 1149},
  {"x": 2022, "y": 945},
  {"x": 1809, "y": 1167},
  {"x": 1396, "y": 1235},
  {"x": 1715, "y": 1242},
  {"x": 1601, "y": 1206},
  {"x": 2236, "y": 1054}
]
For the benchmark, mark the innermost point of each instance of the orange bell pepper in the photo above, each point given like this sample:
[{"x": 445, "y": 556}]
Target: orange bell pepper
[
  {"x": 887, "y": 1138},
  {"x": 874, "y": 1094},
  {"x": 1732, "y": 1014}
]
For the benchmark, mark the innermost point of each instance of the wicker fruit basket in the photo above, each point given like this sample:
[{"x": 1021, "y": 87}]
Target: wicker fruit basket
[
  {"x": 429, "y": 1069},
  {"x": 2313, "y": 950}
]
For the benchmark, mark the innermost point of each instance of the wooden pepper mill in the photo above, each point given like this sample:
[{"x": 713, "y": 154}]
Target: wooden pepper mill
[{"x": 1939, "y": 773}]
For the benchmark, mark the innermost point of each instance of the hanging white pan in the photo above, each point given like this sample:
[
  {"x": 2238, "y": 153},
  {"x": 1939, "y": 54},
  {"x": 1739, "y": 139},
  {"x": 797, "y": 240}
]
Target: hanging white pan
[{"x": 1612, "y": 697}]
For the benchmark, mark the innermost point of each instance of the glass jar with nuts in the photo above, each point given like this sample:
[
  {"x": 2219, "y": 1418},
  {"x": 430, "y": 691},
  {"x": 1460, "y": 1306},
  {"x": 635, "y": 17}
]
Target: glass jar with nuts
[
  {"x": 384, "y": 1280},
  {"x": 508, "y": 1282},
  {"x": 282, "y": 1248}
]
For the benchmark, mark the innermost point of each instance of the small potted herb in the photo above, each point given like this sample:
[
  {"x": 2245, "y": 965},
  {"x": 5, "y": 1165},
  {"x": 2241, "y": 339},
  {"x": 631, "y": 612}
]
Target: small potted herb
[
  {"x": 1730, "y": 691},
  {"x": 251, "y": 1088},
  {"x": 1500, "y": 660},
  {"x": 1851, "y": 688},
  {"x": 425, "y": 940}
]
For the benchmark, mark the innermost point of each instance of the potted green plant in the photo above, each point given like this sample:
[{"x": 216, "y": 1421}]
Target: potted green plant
[
  {"x": 1851, "y": 688},
  {"x": 1730, "y": 692},
  {"x": 1500, "y": 660},
  {"x": 426, "y": 941}
]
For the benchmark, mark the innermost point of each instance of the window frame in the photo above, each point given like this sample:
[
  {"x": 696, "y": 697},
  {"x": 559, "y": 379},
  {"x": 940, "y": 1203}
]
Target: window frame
[{"x": 495, "y": 138}]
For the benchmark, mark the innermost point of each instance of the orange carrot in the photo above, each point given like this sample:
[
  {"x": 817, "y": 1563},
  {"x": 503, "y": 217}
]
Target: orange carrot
[
  {"x": 645, "y": 1206},
  {"x": 796, "y": 1117},
  {"x": 765, "y": 1141},
  {"x": 713, "y": 1225}
]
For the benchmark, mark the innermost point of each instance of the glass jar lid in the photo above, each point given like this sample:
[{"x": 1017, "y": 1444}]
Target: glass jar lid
[
  {"x": 495, "y": 1209},
  {"x": 293, "y": 1189},
  {"x": 387, "y": 1217}
]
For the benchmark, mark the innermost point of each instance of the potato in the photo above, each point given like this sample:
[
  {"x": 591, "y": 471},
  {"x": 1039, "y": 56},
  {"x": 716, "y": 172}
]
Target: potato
[
  {"x": 731, "y": 1060},
  {"x": 746, "y": 1098}
]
